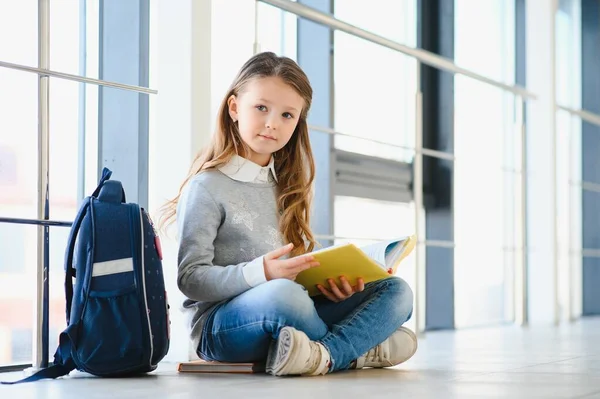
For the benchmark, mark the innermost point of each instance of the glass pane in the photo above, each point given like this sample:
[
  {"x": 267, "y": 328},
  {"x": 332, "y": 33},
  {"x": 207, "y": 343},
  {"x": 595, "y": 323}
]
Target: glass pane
[
  {"x": 569, "y": 156},
  {"x": 65, "y": 36},
  {"x": 487, "y": 161},
  {"x": 397, "y": 20},
  {"x": 494, "y": 20},
  {"x": 277, "y": 31},
  {"x": 569, "y": 211},
  {"x": 486, "y": 148},
  {"x": 19, "y": 31},
  {"x": 73, "y": 138},
  {"x": 74, "y": 39},
  {"x": 573, "y": 226},
  {"x": 359, "y": 220},
  {"x": 58, "y": 246},
  {"x": 229, "y": 51},
  {"x": 568, "y": 53},
  {"x": 380, "y": 107},
  {"x": 18, "y": 257},
  {"x": 18, "y": 143},
  {"x": 92, "y": 38}
]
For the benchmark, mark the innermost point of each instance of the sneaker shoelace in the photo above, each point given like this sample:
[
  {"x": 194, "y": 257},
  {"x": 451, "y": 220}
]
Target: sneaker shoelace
[
  {"x": 314, "y": 363},
  {"x": 379, "y": 353}
]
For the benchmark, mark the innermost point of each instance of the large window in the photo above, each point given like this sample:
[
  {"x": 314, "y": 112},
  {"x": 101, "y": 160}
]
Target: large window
[
  {"x": 73, "y": 157},
  {"x": 73, "y": 160},
  {"x": 18, "y": 179},
  {"x": 374, "y": 91},
  {"x": 486, "y": 166}
]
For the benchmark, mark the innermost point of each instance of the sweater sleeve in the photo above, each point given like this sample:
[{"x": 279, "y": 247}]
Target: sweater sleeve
[{"x": 199, "y": 218}]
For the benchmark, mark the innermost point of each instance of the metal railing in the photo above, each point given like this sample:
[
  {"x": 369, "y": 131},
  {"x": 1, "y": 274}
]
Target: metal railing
[
  {"x": 425, "y": 57},
  {"x": 584, "y": 115},
  {"x": 44, "y": 72}
]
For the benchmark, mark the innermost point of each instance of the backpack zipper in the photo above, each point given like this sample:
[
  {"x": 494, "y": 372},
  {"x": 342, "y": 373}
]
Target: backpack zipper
[{"x": 151, "y": 335}]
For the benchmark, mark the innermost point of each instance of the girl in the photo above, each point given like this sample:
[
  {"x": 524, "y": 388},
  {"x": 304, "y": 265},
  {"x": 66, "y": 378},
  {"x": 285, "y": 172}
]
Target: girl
[{"x": 247, "y": 195}]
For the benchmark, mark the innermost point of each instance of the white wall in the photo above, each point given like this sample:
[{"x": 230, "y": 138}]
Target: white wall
[
  {"x": 541, "y": 149},
  {"x": 182, "y": 123}
]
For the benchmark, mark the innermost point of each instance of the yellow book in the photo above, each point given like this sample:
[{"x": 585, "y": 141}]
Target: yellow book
[{"x": 372, "y": 262}]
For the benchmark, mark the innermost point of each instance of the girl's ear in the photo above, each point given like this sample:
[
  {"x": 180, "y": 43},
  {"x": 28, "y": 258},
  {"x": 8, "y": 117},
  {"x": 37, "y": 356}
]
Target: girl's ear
[{"x": 232, "y": 105}]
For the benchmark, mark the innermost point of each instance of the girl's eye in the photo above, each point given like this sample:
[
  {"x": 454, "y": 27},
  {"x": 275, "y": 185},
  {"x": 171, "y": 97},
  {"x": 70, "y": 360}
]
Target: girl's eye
[
  {"x": 261, "y": 108},
  {"x": 287, "y": 115}
]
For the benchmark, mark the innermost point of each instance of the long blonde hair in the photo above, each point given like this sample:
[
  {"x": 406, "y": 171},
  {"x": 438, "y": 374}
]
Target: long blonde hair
[{"x": 294, "y": 163}]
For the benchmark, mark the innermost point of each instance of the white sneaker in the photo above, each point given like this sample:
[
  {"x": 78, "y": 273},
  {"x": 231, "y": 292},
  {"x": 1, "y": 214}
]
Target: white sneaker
[
  {"x": 295, "y": 354},
  {"x": 398, "y": 348}
]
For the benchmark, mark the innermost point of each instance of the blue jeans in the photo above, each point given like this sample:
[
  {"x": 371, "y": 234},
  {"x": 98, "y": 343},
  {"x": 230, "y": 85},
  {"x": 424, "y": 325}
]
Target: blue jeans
[{"x": 241, "y": 329}]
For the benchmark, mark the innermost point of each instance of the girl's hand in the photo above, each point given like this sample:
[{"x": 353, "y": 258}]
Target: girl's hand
[
  {"x": 286, "y": 268},
  {"x": 345, "y": 291}
]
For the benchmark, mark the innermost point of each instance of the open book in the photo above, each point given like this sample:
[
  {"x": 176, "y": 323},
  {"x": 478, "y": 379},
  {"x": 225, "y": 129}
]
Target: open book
[{"x": 372, "y": 262}]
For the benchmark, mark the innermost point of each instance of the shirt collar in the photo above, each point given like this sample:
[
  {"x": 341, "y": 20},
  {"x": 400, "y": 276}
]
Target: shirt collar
[{"x": 244, "y": 170}]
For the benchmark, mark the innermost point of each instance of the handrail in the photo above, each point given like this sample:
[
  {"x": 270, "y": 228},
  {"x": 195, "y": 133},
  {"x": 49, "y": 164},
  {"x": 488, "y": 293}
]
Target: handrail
[
  {"x": 425, "y": 151},
  {"x": 585, "y": 115},
  {"x": 585, "y": 185},
  {"x": 36, "y": 222},
  {"x": 76, "y": 78},
  {"x": 427, "y": 243},
  {"x": 424, "y": 56}
]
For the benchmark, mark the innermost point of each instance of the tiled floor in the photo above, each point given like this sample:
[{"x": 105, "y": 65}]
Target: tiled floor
[{"x": 540, "y": 362}]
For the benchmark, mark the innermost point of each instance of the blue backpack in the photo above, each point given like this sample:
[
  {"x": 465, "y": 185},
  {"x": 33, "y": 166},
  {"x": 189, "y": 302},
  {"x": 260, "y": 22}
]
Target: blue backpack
[{"x": 118, "y": 313}]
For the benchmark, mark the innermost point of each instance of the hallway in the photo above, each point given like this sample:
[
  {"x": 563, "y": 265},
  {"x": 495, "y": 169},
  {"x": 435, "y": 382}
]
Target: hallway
[{"x": 541, "y": 362}]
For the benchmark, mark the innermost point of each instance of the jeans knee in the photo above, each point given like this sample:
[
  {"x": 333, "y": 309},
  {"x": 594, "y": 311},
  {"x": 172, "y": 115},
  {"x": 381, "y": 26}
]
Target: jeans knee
[
  {"x": 286, "y": 299},
  {"x": 402, "y": 297}
]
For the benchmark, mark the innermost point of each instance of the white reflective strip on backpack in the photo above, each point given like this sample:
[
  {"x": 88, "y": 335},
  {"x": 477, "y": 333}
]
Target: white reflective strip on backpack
[{"x": 112, "y": 267}]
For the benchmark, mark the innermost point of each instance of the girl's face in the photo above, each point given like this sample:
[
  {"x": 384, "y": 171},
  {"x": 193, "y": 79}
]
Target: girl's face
[{"x": 267, "y": 111}]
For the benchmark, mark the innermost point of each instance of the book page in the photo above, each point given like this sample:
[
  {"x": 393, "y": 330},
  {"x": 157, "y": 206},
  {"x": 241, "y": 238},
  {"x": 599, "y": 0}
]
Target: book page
[
  {"x": 398, "y": 252},
  {"x": 377, "y": 251},
  {"x": 385, "y": 252}
]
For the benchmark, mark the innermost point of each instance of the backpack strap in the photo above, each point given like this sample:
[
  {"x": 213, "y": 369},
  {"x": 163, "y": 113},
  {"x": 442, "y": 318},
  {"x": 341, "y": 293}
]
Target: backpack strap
[
  {"x": 63, "y": 362},
  {"x": 69, "y": 270},
  {"x": 62, "y": 357}
]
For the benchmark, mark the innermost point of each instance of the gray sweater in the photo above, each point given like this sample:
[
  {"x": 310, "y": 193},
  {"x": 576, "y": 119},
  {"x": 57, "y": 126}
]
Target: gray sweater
[{"x": 225, "y": 228}]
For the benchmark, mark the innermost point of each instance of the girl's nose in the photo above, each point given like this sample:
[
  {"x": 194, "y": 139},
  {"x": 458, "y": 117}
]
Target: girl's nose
[{"x": 271, "y": 124}]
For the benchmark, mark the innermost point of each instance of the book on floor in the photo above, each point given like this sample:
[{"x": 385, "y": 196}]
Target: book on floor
[
  {"x": 371, "y": 262},
  {"x": 204, "y": 366}
]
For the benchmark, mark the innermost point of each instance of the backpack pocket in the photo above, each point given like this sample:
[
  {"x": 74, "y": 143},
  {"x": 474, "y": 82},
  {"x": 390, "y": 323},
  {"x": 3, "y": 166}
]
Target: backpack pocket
[{"x": 111, "y": 336}]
